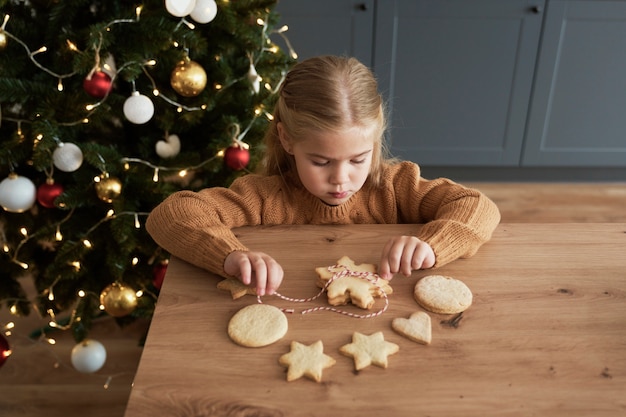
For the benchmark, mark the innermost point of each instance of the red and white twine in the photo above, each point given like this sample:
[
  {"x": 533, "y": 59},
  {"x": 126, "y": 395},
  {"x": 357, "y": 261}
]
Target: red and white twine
[{"x": 344, "y": 272}]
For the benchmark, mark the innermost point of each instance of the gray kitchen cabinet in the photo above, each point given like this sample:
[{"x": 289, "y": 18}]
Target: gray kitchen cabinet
[
  {"x": 578, "y": 111},
  {"x": 458, "y": 77},
  {"x": 336, "y": 27},
  {"x": 486, "y": 84}
]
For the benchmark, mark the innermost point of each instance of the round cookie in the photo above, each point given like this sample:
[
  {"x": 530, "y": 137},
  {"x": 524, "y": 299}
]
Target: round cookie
[
  {"x": 443, "y": 295},
  {"x": 257, "y": 325}
]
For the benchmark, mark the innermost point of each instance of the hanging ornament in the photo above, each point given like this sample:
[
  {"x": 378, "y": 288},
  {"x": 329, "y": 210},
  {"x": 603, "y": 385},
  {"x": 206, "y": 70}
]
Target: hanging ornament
[
  {"x": 109, "y": 67},
  {"x": 138, "y": 108},
  {"x": 48, "y": 192},
  {"x": 168, "y": 148},
  {"x": 17, "y": 193},
  {"x": 5, "y": 350},
  {"x": 254, "y": 78},
  {"x": 88, "y": 356},
  {"x": 204, "y": 11},
  {"x": 4, "y": 40},
  {"x": 188, "y": 78},
  {"x": 159, "y": 274},
  {"x": 98, "y": 84},
  {"x": 180, "y": 8},
  {"x": 108, "y": 188},
  {"x": 118, "y": 300},
  {"x": 67, "y": 157},
  {"x": 236, "y": 157}
]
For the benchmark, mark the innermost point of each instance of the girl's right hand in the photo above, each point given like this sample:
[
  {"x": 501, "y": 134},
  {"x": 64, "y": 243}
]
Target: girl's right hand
[{"x": 255, "y": 268}]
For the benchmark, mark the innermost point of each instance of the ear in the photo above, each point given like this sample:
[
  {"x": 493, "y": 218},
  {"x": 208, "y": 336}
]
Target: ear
[{"x": 284, "y": 138}]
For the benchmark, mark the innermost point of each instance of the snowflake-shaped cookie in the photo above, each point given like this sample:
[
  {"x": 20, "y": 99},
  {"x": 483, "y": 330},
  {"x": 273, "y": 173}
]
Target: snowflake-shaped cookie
[{"x": 358, "y": 284}]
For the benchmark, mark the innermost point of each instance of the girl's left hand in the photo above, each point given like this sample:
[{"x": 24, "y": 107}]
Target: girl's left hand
[{"x": 405, "y": 254}]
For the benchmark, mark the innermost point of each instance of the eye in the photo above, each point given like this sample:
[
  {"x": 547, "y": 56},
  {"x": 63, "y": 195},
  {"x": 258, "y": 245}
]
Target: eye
[
  {"x": 359, "y": 161},
  {"x": 320, "y": 163}
]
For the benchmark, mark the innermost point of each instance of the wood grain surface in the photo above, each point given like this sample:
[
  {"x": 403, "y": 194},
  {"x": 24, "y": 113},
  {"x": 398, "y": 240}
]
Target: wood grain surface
[
  {"x": 558, "y": 202},
  {"x": 546, "y": 334}
]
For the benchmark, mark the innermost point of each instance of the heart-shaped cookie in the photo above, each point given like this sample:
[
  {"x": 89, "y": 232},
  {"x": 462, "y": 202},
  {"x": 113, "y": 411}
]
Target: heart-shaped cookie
[
  {"x": 417, "y": 327},
  {"x": 168, "y": 148}
]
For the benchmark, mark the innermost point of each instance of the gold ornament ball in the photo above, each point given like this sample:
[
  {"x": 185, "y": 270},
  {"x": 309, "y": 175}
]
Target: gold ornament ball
[
  {"x": 108, "y": 189},
  {"x": 188, "y": 78},
  {"x": 118, "y": 300},
  {"x": 3, "y": 39}
]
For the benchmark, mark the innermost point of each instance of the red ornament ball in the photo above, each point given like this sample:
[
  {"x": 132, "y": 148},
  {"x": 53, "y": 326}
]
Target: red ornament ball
[
  {"x": 48, "y": 192},
  {"x": 236, "y": 157},
  {"x": 5, "y": 350},
  {"x": 159, "y": 274},
  {"x": 98, "y": 85}
]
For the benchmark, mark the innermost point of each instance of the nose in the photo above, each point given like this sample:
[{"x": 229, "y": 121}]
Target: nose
[{"x": 340, "y": 174}]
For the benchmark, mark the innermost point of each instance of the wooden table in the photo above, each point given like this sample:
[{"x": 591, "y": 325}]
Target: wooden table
[{"x": 545, "y": 336}]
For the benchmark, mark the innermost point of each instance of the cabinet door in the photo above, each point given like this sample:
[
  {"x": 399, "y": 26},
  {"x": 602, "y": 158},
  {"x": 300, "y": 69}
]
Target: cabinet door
[
  {"x": 578, "y": 110},
  {"x": 457, "y": 75},
  {"x": 336, "y": 27}
]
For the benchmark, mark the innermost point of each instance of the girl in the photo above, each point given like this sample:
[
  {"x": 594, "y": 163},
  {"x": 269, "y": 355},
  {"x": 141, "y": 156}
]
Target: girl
[{"x": 325, "y": 163}]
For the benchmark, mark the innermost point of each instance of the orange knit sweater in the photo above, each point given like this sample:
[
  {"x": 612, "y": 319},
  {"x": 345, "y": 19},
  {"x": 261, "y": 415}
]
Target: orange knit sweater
[{"x": 196, "y": 226}]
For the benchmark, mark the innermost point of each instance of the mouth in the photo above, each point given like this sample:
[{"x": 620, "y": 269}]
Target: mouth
[{"x": 339, "y": 195}]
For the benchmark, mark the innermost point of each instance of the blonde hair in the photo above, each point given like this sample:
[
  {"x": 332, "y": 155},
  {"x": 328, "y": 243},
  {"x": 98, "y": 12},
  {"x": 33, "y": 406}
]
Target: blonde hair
[{"x": 326, "y": 93}]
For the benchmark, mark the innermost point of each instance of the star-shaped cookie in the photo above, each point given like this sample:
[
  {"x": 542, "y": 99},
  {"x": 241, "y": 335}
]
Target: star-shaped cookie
[
  {"x": 237, "y": 288},
  {"x": 369, "y": 350},
  {"x": 352, "y": 289},
  {"x": 307, "y": 361}
]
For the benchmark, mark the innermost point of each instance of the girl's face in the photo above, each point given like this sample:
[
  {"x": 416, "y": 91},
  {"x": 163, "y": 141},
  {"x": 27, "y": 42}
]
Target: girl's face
[{"x": 332, "y": 166}]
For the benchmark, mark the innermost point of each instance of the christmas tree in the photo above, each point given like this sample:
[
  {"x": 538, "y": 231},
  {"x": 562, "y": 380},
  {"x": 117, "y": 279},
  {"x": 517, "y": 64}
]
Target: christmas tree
[{"x": 107, "y": 107}]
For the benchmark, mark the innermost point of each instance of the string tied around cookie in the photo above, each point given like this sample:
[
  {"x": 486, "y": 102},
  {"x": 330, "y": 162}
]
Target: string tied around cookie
[{"x": 344, "y": 272}]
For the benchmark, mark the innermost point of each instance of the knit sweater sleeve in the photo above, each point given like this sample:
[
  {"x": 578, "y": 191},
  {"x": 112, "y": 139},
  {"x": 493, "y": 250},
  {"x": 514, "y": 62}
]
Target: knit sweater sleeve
[
  {"x": 196, "y": 226},
  {"x": 456, "y": 220}
]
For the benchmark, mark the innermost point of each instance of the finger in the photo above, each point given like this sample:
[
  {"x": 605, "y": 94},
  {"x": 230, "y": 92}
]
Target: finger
[
  {"x": 424, "y": 257},
  {"x": 394, "y": 255},
  {"x": 429, "y": 260},
  {"x": 418, "y": 260},
  {"x": 384, "y": 269},
  {"x": 409, "y": 254},
  {"x": 260, "y": 275},
  {"x": 245, "y": 271},
  {"x": 274, "y": 276}
]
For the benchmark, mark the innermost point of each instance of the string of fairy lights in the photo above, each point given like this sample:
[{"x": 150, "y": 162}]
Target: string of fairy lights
[{"x": 235, "y": 132}]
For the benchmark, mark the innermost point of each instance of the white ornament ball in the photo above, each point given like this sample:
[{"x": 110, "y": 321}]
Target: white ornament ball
[
  {"x": 88, "y": 356},
  {"x": 168, "y": 148},
  {"x": 180, "y": 8},
  {"x": 205, "y": 11},
  {"x": 67, "y": 157},
  {"x": 17, "y": 193},
  {"x": 138, "y": 108}
]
